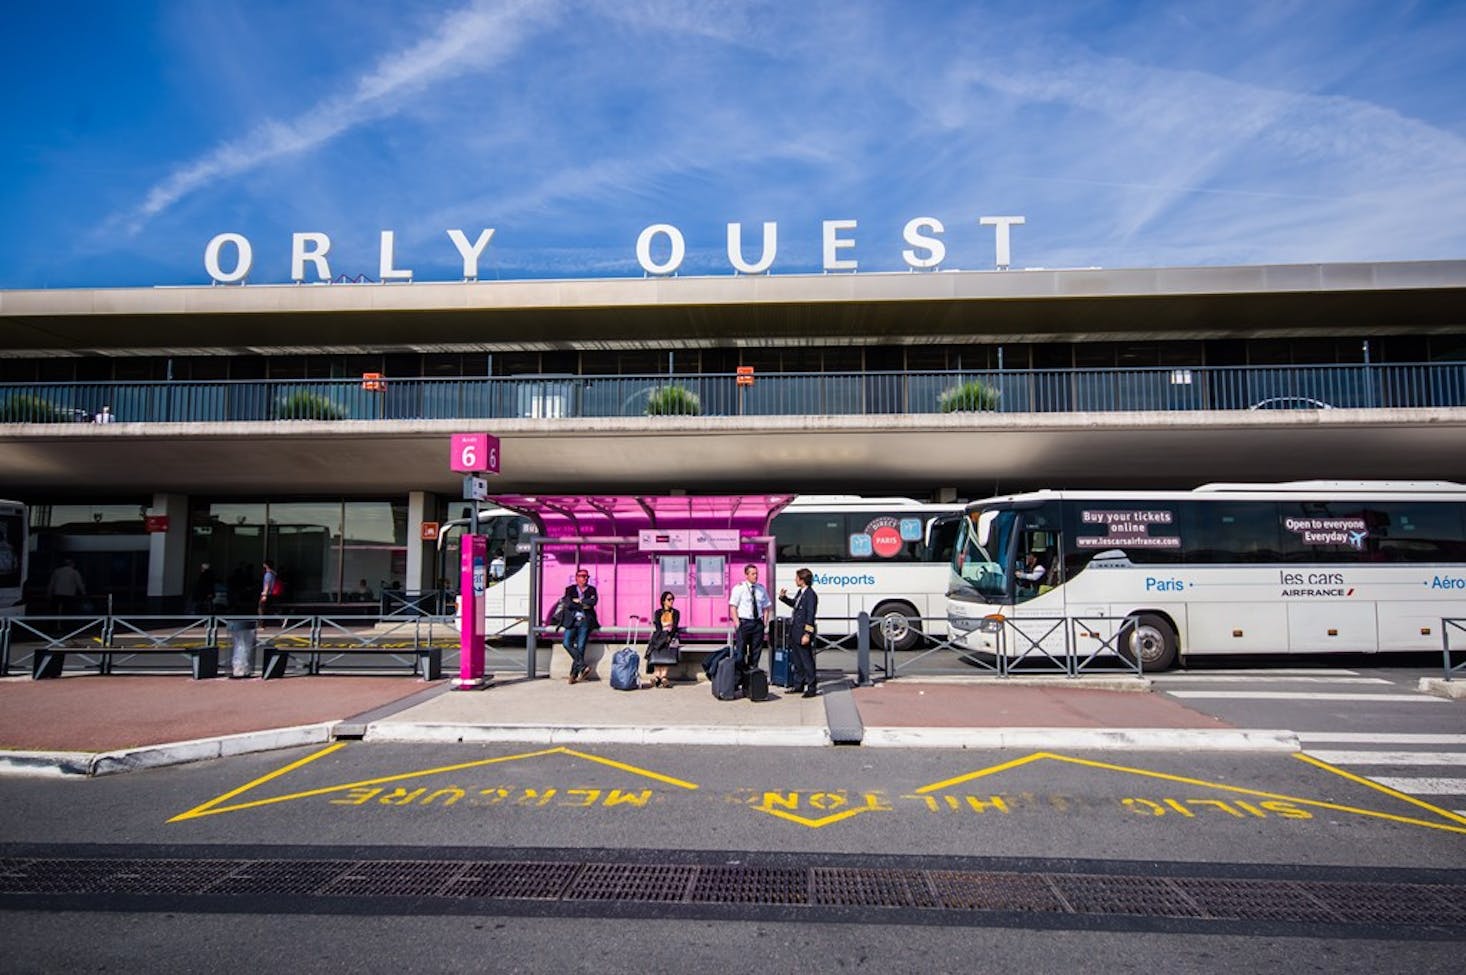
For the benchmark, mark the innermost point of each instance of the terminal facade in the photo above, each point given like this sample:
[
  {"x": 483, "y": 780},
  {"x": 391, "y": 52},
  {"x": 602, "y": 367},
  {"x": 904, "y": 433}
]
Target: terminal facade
[{"x": 834, "y": 383}]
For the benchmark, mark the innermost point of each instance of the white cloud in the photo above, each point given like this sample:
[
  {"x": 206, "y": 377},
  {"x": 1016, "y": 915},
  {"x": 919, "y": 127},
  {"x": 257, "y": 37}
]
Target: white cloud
[{"x": 472, "y": 39}]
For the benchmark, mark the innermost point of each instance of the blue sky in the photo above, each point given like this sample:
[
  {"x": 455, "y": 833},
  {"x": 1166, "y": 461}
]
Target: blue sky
[{"x": 1127, "y": 134}]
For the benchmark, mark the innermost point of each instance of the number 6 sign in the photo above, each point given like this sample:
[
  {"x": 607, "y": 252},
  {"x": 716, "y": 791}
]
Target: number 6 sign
[{"x": 473, "y": 452}]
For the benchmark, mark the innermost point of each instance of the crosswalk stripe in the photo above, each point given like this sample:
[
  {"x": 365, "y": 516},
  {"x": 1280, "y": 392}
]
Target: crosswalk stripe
[
  {"x": 1260, "y": 679},
  {"x": 1389, "y": 758},
  {"x": 1423, "y": 786},
  {"x": 1378, "y": 738},
  {"x": 1308, "y": 696}
]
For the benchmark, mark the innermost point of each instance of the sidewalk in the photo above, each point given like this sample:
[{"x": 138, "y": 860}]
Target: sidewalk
[{"x": 91, "y": 725}]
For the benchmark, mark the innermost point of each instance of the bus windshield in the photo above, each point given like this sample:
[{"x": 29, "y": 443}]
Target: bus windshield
[{"x": 982, "y": 563}]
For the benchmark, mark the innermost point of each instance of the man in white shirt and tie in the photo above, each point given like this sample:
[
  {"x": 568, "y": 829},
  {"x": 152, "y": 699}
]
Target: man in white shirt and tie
[{"x": 750, "y": 605}]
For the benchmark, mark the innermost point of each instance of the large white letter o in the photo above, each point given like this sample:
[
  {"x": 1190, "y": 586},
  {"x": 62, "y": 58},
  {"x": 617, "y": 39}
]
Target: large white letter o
[
  {"x": 644, "y": 249},
  {"x": 242, "y": 266}
]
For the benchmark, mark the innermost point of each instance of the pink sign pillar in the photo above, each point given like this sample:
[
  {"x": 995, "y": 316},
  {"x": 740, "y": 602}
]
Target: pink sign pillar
[{"x": 473, "y": 579}]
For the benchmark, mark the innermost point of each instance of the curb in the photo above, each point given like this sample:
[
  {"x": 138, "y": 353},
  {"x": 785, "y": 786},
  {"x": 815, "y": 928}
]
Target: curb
[
  {"x": 802, "y": 737},
  {"x": 1454, "y": 690},
  {"x": 90, "y": 764},
  {"x": 1099, "y": 739}
]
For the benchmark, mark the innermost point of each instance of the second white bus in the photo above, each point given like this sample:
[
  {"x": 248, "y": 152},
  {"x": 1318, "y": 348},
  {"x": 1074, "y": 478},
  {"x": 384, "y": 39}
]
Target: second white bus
[{"x": 1299, "y": 567}]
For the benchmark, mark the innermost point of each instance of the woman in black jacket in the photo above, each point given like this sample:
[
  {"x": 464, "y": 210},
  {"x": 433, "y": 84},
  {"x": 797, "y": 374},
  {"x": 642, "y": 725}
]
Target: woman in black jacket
[{"x": 663, "y": 650}]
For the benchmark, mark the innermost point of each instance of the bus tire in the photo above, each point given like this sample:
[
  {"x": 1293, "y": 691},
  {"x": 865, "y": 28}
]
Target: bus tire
[
  {"x": 897, "y": 622},
  {"x": 1151, "y": 639}
]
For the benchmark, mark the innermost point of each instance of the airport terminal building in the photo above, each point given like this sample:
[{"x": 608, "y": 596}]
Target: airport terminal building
[{"x": 244, "y": 422}]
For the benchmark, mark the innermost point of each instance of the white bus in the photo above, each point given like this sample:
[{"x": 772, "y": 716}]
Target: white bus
[
  {"x": 888, "y": 557},
  {"x": 885, "y": 556},
  {"x": 506, "y": 601},
  {"x": 14, "y": 556},
  {"x": 1299, "y": 567}
]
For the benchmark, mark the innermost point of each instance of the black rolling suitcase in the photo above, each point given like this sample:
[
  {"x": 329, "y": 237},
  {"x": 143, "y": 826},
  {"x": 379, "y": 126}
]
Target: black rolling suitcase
[
  {"x": 756, "y": 685},
  {"x": 724, "y": 675}
]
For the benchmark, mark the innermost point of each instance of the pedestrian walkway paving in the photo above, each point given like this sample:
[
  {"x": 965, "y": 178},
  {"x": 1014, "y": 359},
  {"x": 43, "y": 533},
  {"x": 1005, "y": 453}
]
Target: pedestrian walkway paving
[{"x": 85, "y": 724}]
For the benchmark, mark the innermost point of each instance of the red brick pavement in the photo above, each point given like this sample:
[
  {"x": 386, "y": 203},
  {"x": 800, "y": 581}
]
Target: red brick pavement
[{"x": 90, "y": 713}]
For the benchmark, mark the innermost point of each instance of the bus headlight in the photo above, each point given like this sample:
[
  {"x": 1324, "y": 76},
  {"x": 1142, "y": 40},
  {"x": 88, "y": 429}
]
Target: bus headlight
[{"x": 991, "y": 624}]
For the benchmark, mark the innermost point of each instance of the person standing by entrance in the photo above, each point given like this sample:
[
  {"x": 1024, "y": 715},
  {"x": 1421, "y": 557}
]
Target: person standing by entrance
[
  {"x": 580, "y": 619},
  {"x": 800, "y": 633},
  {"x": 750, "y": 605},
  {"x": 66, "y": 589}
]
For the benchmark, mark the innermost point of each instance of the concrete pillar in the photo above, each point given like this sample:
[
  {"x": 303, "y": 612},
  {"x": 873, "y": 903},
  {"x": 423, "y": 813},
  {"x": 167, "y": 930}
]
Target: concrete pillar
[
  {"x": 421, "y": 555},
  {"x": 167, "y": 572}
]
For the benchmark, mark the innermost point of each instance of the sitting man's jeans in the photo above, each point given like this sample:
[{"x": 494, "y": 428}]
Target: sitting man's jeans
[{"x": 575, "y": 636}]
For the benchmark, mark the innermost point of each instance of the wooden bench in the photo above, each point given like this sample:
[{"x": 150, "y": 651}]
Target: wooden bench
[
  {"x": 48, "y": 662},
  {"x": 427, "y": 663}
]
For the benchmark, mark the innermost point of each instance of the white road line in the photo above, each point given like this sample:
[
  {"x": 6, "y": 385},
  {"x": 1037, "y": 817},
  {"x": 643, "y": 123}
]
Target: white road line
[
  {"x": 1283, "y": 671},
  {"x": 1389, "y": 758},
  {"x": 1261, "y": 679},
  {"x": 1307, "y": 696},
  {"x": 1423, "y": 787},
  {"x": 1376, "y": 738}
]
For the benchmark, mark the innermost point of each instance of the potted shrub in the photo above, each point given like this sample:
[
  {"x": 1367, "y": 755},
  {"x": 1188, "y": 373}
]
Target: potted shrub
[
  {"x": 306, "y": 405},
  {"x": 29, "y": 408},
  {"x": 673, "y": 401},
  {"x": 968, "y": 397}
]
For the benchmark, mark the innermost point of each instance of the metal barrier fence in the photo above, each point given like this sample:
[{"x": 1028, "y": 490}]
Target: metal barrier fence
[
  {"x": 327, "y": 639},
  {"x": 1449, "y": 625},
  {"x": 1068, "y": 645},
  {"x": 1190, "y": 388}
]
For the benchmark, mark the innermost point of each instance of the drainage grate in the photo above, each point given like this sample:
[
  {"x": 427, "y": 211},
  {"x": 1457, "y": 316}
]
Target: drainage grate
[
  {"x": 1255, "y": 900},
  {"x": 512, "y": 881},
  {"x": 737, "y": 884},
  {"x": 393, "y": 878},
  {"x": 972, "y": 891},
  {"x": 818, "y": 887},
  {"x": 631, "y": 882},
  {"x": 1144, "y": 896},
  {"x": 834, "y": 886}
]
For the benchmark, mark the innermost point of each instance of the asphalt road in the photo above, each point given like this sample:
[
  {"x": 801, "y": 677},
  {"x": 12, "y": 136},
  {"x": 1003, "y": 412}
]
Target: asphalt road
[{"x": 1277, "y": 832}]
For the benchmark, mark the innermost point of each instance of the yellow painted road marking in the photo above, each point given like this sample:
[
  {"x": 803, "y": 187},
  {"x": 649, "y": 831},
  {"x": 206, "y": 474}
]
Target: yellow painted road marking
[
  {"x": 1164, "y": 776},
  {"x": 634, "y": 770},
  {"x": 197, "y": 811},
  {"x": 212, "y": 807},
  {"x": 872, "y": 802},
  {"x": 1444, "y": 813}
]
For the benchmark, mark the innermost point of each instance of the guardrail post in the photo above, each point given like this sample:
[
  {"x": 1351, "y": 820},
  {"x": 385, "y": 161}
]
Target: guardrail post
[
  {"x": 862, "y": 652},
  {"x": 4, "y": 646}
]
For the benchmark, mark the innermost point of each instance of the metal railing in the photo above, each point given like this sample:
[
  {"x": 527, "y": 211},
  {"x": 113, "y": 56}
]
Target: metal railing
[
  {"x": 324, "y": 638},
  {"x": 1449, "y": 625},
  {"x": 1172, "y": 389}
]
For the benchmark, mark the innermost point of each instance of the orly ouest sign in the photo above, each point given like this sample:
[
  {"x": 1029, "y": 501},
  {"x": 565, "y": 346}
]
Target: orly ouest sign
[{"x": 923, "y": 236}]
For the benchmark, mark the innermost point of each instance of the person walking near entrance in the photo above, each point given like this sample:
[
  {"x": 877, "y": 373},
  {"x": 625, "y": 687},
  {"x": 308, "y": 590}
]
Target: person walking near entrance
[
  {"x": 799, "y": 635},
  {"x": 66, "y": 589},
  {"x": 271, "y": 588},
  {"x": 580, "y": 619},
  {"x": 750, "y": 605}
]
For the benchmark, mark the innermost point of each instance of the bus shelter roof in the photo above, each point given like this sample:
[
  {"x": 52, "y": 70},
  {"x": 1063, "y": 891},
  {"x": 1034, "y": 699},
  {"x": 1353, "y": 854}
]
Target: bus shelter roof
[{"x": 598, "y": 515}]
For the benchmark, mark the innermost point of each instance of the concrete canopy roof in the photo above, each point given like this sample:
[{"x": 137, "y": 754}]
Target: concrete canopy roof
[{"x": 829, "y": 309}]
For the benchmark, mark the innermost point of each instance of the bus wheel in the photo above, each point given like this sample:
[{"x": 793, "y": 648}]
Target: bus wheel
[
  {"x": 894, "y": 624},
  {"x": 1152, "y": 640}
]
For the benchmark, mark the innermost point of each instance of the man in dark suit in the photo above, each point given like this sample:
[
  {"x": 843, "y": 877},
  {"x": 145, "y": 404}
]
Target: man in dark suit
[
  {"x": 799, "y": 636},
  {"x": 580, "y": 619}
]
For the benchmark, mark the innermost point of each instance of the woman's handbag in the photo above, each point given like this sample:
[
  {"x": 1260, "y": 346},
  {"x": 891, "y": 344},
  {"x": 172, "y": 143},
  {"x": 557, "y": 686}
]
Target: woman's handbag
[{"x": 660, "y": 648}]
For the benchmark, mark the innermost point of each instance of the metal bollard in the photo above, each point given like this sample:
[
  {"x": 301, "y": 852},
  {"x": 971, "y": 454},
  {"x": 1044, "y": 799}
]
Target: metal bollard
[{"x": 862, "y": 651}]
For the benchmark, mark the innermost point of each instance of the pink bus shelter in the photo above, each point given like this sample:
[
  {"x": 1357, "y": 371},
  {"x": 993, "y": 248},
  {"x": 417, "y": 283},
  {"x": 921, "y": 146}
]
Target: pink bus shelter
[{"x": 637, "y": 547}]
